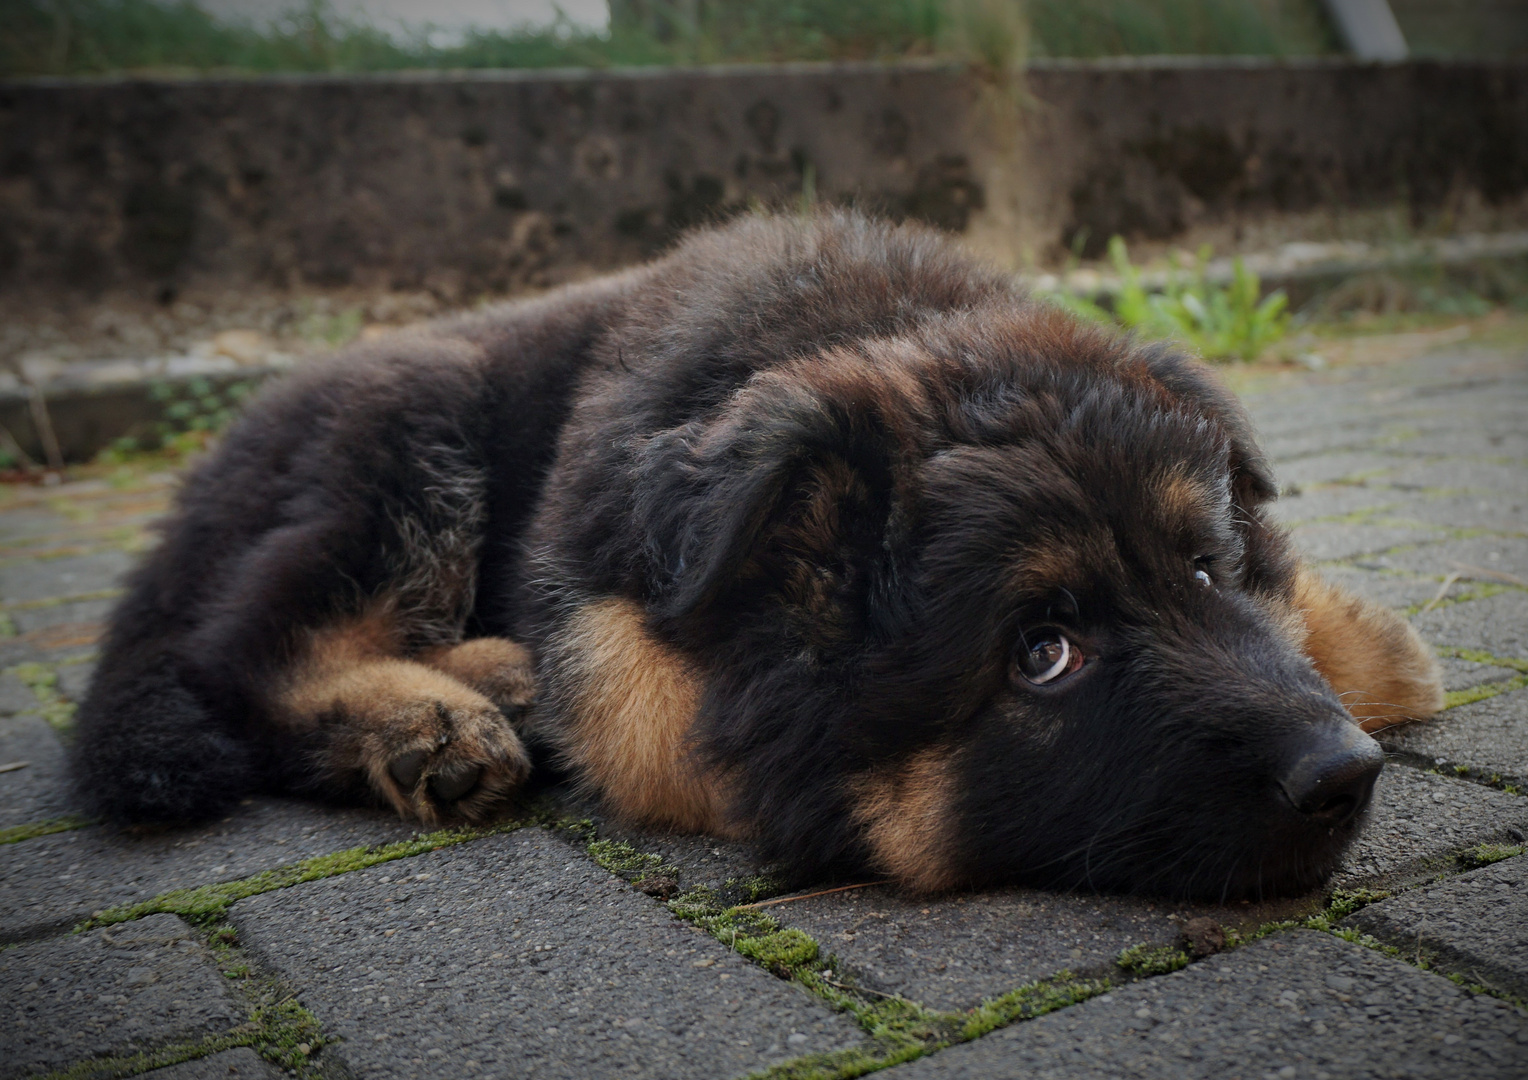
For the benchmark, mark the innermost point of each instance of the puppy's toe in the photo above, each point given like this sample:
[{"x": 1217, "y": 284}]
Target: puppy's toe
[{"x": 445, "y": 757}]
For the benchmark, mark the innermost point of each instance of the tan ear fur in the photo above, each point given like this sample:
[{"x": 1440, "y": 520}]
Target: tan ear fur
[{"x": 1376, "y": 662}]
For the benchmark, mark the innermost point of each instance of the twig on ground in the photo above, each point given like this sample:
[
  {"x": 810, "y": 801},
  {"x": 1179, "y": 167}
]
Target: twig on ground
[
  {"x": 856, "y": 989},
  {"x": 1448, "y": 583},
  {"x": 1499, "y": 575},
  {"x": 807, "y": 896}
]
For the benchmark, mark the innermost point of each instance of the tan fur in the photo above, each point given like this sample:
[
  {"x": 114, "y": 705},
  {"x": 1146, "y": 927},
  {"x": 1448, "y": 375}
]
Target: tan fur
[
  {"x": 633, "y": 702},
  {"x": 908, "y": 817},
  {"x": 1378, "y": 665},
  {"x": 498, "y": 668},
  {"x": 374, "y": 706}
]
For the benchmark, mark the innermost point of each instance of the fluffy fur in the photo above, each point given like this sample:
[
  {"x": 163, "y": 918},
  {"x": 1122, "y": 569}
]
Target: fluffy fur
[{"x": 781, "y": 521}]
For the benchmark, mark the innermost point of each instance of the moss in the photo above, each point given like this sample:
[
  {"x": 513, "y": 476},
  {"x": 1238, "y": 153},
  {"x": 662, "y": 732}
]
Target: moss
[
  {"x": 1486, "y": 854},
  {"x": 42, "y": 680},
  {"x": 16, "y": 833},
  {"x": 1480, "y": 656},
  {"x": 208, "y": 904},
  {"x": 1034, "y": 999},
  {"x": 1455, "y": 698},
  {"x": 1152, "y": 959},
  {"x": 59, "y": 601},
  {"x": 781, "y": 952},
  {"x": 625, "y": 861}
]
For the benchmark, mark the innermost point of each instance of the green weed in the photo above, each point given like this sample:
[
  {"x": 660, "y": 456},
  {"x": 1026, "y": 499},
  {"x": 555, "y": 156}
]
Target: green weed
[{"x": 1221, "y": 322}]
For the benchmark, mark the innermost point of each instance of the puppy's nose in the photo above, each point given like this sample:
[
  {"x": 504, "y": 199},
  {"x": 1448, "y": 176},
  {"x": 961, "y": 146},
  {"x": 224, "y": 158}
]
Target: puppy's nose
[{"x": 1333, "y": 778}]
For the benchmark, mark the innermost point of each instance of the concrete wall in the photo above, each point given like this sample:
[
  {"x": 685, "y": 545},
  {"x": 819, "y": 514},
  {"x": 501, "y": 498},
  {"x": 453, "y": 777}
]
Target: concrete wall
[{"x": 492, "y": 181}]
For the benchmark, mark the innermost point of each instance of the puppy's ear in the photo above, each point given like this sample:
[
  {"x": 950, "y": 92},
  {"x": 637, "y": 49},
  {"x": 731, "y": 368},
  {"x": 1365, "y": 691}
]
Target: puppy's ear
[
  {"x": 1251, "y": 476},
  {"x": 796, "y": 477}
]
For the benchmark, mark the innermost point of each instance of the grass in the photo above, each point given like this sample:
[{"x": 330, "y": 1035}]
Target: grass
[{"x": 75, "y": 37}]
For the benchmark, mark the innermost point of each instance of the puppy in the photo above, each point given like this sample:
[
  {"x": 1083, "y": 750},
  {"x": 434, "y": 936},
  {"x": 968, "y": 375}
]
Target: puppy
[{"x": 814, "y": 533}]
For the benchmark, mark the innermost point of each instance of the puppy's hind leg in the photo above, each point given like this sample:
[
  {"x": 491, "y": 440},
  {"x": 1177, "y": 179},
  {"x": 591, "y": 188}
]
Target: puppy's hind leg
[
  {"x": 1378, "y": 665},
  {"x": 422, "y": 740}
]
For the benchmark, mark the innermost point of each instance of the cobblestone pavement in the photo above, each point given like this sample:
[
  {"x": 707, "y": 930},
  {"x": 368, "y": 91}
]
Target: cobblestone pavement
[{"x": 293, "y": 938}]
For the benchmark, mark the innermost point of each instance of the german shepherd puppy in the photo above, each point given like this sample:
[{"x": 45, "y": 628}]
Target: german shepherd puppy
[{"x": 815, "y": 533}]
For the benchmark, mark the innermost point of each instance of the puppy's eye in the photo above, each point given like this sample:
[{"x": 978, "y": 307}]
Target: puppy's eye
[{"x": 1045, "y": 656}]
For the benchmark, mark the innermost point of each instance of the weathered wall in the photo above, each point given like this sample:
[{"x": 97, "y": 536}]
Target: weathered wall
[
  {"x": 1154, "y": 148},
  {"x": 496, "y": 180}
]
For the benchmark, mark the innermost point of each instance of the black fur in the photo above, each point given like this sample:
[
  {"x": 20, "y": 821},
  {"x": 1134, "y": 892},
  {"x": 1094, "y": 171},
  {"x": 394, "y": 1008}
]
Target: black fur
[{"x": 821, "y": 456}]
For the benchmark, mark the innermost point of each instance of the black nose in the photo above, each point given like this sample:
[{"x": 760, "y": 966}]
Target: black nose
[{"x": 1333, "y": 777}]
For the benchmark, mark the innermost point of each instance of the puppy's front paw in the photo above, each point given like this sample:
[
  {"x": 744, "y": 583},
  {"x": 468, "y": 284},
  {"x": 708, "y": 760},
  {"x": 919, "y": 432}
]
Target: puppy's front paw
[{"x": 429, "y": 745}]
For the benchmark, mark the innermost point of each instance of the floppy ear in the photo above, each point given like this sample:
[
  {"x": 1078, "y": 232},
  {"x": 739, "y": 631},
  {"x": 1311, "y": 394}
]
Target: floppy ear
[
  {"x": 796, "y": 476},
  {"x": 1252, "y": 480}
]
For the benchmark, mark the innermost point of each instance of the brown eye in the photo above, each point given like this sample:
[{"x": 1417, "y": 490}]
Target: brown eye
[{"x": 1046, "y": 655}]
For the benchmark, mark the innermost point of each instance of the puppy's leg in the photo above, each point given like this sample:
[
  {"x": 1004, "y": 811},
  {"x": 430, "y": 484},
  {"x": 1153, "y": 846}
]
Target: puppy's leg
[
  {"x": 501, "y": 670},
  {"x": 425, "y": 741},
  {"x": 1380, "y": 667}
]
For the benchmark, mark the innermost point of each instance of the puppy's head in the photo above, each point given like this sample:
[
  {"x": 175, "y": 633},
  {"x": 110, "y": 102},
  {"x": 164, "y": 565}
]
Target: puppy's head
[{"x": 999, "y": 603}]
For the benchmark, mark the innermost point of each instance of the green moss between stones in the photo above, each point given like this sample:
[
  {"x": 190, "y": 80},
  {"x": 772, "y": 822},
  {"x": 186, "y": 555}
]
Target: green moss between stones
[
  {"x": 208, "y": 904},
  {"x": 1455, "y": 698},
  {"x": 16, "y": 833},
  {"x": 42, "y": 680},
  {"x": 1480, "y": 656},
  {"x": 1152, "y": 959},
  {"x": 1486, "y": 854}
]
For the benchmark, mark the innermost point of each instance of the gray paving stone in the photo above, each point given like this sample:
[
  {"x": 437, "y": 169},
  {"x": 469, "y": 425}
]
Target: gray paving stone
[
  {"x": 1475, "y": 925},
  {"x": 516, "y": 955},
  {"x": 79, "y": 612},
  {"x": 1296, "y": 1005},
  {"x": 1497, "y": 625},
  {"x": 41, "y": 789},
  {"x": 117, "y": 990},
  {"x": 68, "y": 576},
  {"x": 74, "y": 679},
  {"x": 1459, "y": 475},
  {"x": 56, "y": 881},
  {"x": 1499, "y": 513},
  {"x": 1489, "y": 736},
  {"x": 1326, "y": 468},
  {"x": 1420, "y": 821},
  {"x": 1463, "y": 674},
  {"x": 952, "y": 952},
  {"x": 1499, "y": 553},
  {"x": 240, "y": 1064},
  {"x": 1331, "y": 541},
  {"x": 15, "y": 695},
  {"x": 1393, "y": 590},
  {"x": 1314, "y": 501}
]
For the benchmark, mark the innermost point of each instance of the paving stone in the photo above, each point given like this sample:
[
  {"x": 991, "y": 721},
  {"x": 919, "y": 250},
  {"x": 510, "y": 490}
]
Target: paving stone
[
  {"x": 56, "y": 881},
  {"x": 117, "y": 990},
  {"x": 1489, "y": 736},
  {"x": 1327, "y": 468},
  {"x": 1497, "y": 625},
  {"x": 15, "y": 695},
  {"x": 517, "y": 955},
  {"x": 1475, "y": 925},
  {"x": 952, "y": 952},
  {"x": 33, "y": 620},
  {"x": 1457, "y": 475},
  {"x": 1496, "y": 512},
  {"x": 240, "y": 1064},
  {"x": 68, "y": 576},
  {"x": 41, "y": 789},
  {"x": 1331, "y": 541},
  {"x": 1393, "y": 590},
  {"x": 1420, "y": 821},
  {"x": 1297, "y": 1005},
  {"x": 1335, "y": 500},
  {"x": 74, "y": 679},
  {"x": 1464, "y": 674}
]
